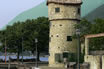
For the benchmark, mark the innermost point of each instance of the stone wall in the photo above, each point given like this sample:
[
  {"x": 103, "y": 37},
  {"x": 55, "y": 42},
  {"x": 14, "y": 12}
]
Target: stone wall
[
  {"x": 61, "y": 26},
  {"x": 103, "y": 62},
  {"x": 94, "y": 61},
  {"x": 66, "y": 11},
  {"x": 59, "y": 30},
  {"x": 96, "y": 52}
]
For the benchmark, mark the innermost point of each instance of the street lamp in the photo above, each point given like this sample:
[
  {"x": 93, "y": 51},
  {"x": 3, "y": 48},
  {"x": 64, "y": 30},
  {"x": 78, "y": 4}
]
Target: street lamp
[
  {"x": 22, "y": 50},
  {"x": 36, "y": 41},
  {"x": 5, "y": 50},
  {"x": 78, "y": 47},
  {"x": 22, "y": 44}
]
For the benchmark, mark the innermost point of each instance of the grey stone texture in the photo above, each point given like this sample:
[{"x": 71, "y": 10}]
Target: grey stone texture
[
  {"x": 103, "y": 62},
  {"x": 66, "y": 11},
  {"x": 86, "y": 46},
  {"x": 62, "y": 25},
  {"x": 95, "y": 58},
  {"x": 94, "y": 61}
]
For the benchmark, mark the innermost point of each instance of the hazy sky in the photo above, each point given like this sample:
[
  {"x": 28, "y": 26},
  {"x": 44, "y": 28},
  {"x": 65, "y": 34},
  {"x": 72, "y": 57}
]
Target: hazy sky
[{"x": 11, "y": 8}]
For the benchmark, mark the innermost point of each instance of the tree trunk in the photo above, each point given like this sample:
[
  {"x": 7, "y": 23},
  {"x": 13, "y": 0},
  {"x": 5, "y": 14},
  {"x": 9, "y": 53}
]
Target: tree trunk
[
  {"x": 38, "y": 56},
  {"x": 18, "y": 53}
]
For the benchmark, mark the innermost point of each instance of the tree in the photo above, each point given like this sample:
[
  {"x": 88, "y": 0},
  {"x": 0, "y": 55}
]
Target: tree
[
  {"x": 98, "y": 27},
  {"x": 24, "y": 33},
  {"x": 84, "y": 26},
  {"x": 95, "y": 27}
]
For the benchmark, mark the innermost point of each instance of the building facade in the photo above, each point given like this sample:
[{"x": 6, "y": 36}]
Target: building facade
[{"x": 63, "y": 15}]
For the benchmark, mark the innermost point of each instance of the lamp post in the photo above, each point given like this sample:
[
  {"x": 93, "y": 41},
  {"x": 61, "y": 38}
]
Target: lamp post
[
  {"x": 36, "y": 41},
  {"x": 22, "y": 44},
  {"x": 22, "y": 50},
  {"x": 78, "y": 47},
  {"x": 5, "y": 50}
]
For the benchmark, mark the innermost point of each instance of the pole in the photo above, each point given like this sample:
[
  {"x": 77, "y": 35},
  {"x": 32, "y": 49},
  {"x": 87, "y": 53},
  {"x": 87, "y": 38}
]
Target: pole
[
  {"x": 78, "y": 51},
  {"x": 36, "y": 56},
  {"x": 5, "y": 50},
  {"x": 18, "y": 55},
  {"x": 22, "y": 50},
  {"x": 9, "y": 63}
]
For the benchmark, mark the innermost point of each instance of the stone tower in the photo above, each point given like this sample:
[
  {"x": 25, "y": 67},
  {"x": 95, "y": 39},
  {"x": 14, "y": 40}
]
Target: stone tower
[{"x": 63, "y": 15}]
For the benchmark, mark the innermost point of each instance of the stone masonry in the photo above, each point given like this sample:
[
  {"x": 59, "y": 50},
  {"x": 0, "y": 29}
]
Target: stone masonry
[
  {"x": 94, "y": 61},
  {"x": 63, "y": 15},
  {"x": 94, "y": 58}
]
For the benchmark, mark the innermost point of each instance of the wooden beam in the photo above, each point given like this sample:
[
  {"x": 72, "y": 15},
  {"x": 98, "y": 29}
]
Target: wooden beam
[{"x": 94, "y": 35}]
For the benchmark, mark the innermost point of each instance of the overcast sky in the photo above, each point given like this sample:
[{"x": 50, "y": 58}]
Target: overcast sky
[{"x": 11, "y": 8}]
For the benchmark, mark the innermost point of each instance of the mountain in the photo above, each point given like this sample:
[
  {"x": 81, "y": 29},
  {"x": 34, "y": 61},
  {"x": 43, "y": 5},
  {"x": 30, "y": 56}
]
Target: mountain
[
  {"x": 37, "y": 11},
  {"x": 89, "y": 8},
  {"x": 90, "y": 5},
  {"x": 97, "y": 13}
]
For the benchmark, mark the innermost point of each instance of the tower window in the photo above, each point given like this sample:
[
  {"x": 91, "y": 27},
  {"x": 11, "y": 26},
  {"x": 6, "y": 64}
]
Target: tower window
[
  {"x": 69, "y": 38},
  {"x": 51, "y": 35},
  {"x": 58, "y": 47},
  {"x": 57, "y": 35},
  {"x": 78, "y": 10},
  {"x": 53, "y": 25},
  {"x": 57, "y": 9},
  {"x": 60, "y": 24}
]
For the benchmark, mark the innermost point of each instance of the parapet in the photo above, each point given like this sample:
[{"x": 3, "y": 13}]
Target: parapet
[{"x": 65, "y": 2}]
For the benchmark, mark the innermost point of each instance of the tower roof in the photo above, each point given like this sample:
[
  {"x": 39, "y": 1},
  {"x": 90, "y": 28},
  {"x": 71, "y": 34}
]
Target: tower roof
[{"x": 65, "y": 1}]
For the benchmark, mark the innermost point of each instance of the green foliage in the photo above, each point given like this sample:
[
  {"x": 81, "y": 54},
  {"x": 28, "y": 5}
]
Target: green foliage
[
  {"x": 98, "y": 27},
  {"x": 25, "y": 33},
  {"x": 72, "y": 57},
  {"x": 95, "y": 27},
  {"x": 84, "y": 27}
]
